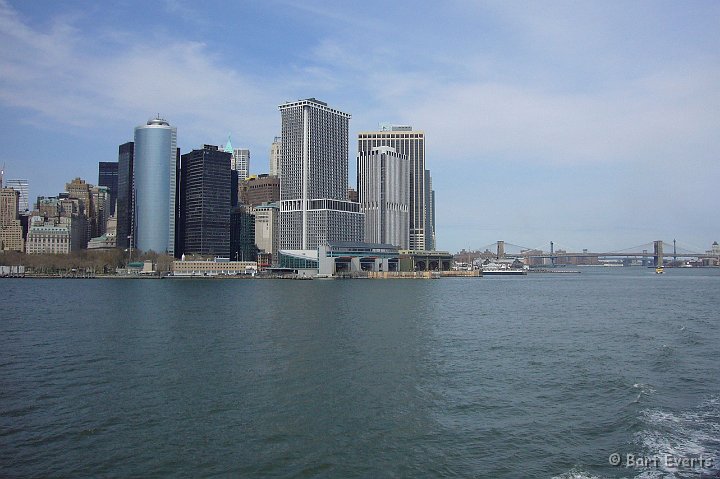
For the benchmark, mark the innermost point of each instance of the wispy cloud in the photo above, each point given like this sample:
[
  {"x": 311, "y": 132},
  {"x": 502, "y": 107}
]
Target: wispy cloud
[{"x": 53, "y": 74}]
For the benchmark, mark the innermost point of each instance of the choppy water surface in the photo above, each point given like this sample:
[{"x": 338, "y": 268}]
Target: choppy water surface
[{"x": 538, "y": 376}]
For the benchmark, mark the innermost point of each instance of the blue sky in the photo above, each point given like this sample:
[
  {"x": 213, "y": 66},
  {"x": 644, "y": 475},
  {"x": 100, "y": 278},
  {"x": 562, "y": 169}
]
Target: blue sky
[{"x": 591, "y": 124}]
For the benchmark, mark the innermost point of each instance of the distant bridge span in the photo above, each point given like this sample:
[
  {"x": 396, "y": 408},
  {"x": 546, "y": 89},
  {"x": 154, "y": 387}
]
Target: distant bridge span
[{"x": 655, "y": 250}]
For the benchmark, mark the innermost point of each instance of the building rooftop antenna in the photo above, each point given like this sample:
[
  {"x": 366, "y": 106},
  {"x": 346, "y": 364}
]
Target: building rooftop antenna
[{"x": 2, "y": 175}]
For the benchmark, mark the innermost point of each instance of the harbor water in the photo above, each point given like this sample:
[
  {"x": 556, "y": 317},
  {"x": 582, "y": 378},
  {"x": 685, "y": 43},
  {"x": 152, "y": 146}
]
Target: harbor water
[{"x": 544, "y": 375}]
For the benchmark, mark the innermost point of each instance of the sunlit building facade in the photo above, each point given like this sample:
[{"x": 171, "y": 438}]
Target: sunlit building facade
[
  {"x": 314, "y": 205},
  {"x": 155, "y": 165}
]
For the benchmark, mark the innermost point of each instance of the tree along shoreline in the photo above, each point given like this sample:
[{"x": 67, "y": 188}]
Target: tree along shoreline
[{"x": 97, "y": 262}]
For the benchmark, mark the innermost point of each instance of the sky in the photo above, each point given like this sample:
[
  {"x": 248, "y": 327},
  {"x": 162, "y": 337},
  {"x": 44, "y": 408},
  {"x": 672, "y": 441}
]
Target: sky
[{"x": 590, "y": 124}]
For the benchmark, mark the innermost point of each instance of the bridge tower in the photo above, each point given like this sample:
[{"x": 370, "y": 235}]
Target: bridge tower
[
  {"x": 500, "y": 249},
  {"x": 658, "y": 253}
]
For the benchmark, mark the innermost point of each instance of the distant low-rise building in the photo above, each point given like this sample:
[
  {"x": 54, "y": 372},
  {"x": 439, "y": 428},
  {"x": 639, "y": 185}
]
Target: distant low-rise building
[
  {"x": 214, "y": 267},
  {"x": 715, "y": 251}
]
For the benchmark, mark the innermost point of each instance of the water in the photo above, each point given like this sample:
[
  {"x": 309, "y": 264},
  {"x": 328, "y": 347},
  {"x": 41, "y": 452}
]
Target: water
[{"x": 539, "y": 376}]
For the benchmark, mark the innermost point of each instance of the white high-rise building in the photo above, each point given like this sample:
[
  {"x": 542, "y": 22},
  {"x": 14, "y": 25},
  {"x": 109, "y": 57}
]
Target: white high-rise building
[
  {"x": 240, "y": 160},
  {"x": 21, "y": 186},
  {"x": 429, "y": 213},
  {"x": 275, "y": 156},
  {"x": 384, "y": 195},
  {"x": 314, "y": 206},
  {"x": 411, "y": 144}
]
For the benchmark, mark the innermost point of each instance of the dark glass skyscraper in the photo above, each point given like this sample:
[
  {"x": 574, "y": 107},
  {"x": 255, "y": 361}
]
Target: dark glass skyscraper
[
  {"x": 125, "y": 199},
  {"x": 242, "y": 235},
  {"x": 108, "y": 176},
  {"x": 206, "y": 201}
]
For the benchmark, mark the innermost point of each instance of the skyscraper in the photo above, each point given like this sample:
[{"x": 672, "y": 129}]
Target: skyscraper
[
  {"x": 275, "y": 156},
  {"x": 79, "y": 189},
  {"x": 206, "y": 201},
  {"x": 429, "y": 212},
  {"x": 411, "y": 144},
  {"x": 21, "y": 186},
  {"x": 384, "y": 195},
  {"x": 314, "y": 208},
  {"x": 108, "y": 176},
  {"x": 125, "y": 197},
  {"x": 242, "y": 235},
  {"x": 266, "y": 229},
  {"x": 155, "y": 173},
  {"x": 240, "y": 160},
  {"x": 11, "y": 234}
]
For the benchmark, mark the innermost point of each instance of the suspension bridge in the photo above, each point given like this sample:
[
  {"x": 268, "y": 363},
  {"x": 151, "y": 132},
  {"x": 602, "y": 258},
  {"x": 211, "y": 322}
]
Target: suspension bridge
[{"x": 655, "y": 250}]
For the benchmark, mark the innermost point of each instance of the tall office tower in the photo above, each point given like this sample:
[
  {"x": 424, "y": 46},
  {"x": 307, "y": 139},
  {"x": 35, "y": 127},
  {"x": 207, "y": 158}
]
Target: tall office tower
[
  {"x": 11, "y": 232},
  {"x": 266, "y": 229},
  {"x": 429, "y": 212},
  {"x": 275, "y": 156},
  {"x": 20, "y": 186},
  {"x": 155, "y": 166},
  {"x": 108, "y": 176},
  {"x": 101, "y": 208},
  {"x": 82, "y": 191},
  {"x": 240, "y": 161},
  {"x": 434, "y": 229},
  {"x": 411, "y": 144},
  {"x": 242, "y": 235},
  {"x": 314, "y": 207},
  {"x": 384, "y": 195},
  {"x": 125, "y": 197},
  {"x": 206, "y": 200}
]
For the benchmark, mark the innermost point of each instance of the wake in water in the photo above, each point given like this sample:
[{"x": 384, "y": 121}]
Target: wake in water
[
  {"x": 690, "y": 434},
  {"x": 642, "y": 390}
]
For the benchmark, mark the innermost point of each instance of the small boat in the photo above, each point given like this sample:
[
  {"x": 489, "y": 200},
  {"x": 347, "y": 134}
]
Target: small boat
[{"x": 659, "y": 270}]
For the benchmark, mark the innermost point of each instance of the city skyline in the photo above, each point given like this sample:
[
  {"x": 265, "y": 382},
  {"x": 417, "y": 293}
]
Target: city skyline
[{"x": 590, "y": 125}]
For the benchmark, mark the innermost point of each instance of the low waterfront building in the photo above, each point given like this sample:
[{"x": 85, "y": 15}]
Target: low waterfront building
[
  {"x": 340, "y": 258},
  {"x": 715, "y": 251},
  {"x": 138, "y": 268},
  {"x": 350, "y": 258},
  {"x": 422, "y": 260},
  {"x": 213, "y": 267},
  {"x": 105, "y": 241},
  {"x": 356, "y": 257}
]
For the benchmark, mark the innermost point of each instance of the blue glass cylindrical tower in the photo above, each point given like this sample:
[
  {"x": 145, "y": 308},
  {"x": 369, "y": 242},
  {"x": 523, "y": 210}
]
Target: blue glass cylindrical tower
[{"x": 154, "y": 172}]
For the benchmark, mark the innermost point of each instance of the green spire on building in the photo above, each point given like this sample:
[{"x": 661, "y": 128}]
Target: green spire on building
[{"x": 228, "y": 145}]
